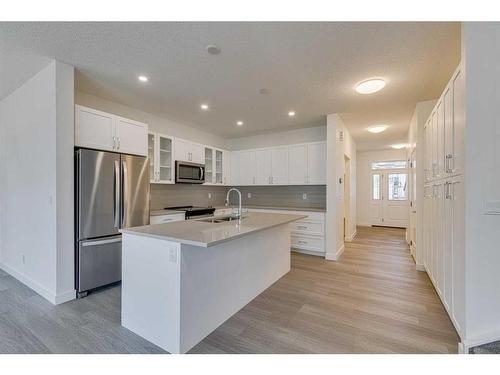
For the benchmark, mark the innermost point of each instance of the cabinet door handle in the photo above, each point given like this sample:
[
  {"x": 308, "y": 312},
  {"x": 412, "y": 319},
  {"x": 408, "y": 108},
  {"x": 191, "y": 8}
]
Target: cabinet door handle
[
  {"x": 114, "y": 143},
  {"x": 301, "y": 227},
  {"x": 302, "y": 242},
  {"x": 118, "y": 142}
]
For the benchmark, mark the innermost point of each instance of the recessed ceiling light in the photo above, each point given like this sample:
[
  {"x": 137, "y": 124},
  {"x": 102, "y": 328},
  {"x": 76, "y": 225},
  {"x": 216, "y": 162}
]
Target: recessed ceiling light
[
  {"x": 142, "y": 78},
  {"x": 370, "y": 86},
  {"x": 204, "y": 107},
  {"x": 213, "y": 49},
  {"x": 398, "y": 146},
  {"x": 239, "y": 123},
  {"x": 291, "y": 113},
  {"x": 377, "y": 128}
]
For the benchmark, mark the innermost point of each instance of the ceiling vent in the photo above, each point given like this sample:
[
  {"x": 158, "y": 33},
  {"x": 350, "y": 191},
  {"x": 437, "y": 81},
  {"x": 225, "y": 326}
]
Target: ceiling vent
[{"x": 341, "y": 136}]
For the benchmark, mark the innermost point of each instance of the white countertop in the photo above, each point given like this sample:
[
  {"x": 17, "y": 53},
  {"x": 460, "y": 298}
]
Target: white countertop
[
  {"x": 200, "y": 233},
  {"x": 283, "y": 208}
]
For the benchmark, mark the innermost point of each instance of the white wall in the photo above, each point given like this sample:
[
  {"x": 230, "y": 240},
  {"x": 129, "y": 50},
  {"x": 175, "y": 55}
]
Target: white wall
[
  {"x": 36, "y": 145},
  {"x": 314, "y": 134},
  {"x": 364, "y": 179},
  {"x": 336, "y": 152},
  {"x": 480, "y": 55},
  {"x": 156, "y": 123}
]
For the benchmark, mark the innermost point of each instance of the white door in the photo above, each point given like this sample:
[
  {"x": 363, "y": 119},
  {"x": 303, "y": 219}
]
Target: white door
[
  {"x": 234, "y": 168},
  {"x": 279, "y": 158},
  {"x": 219, "y": 167},
  {"x": 209, "y": 165},
  {"x": 165, "y": 164},
  {"x": 316, "y": 163},
  {"x": 197, "y": 153},
  {"x": 389, "y": 198},
  {"x": 297, "y": 164},
  {"x": 263, "y": 168},
  {"x": 94, "y": 129},
  {"x": 132, "y": 136},
  {"x": 151, "y": 157}
]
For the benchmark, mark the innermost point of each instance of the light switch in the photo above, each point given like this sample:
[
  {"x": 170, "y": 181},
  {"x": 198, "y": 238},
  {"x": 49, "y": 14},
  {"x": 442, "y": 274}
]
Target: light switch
[
  {"x": 304, "y": 196},
  {"x": 249, "y": 195},
  {"x": 209, "y": 195}
]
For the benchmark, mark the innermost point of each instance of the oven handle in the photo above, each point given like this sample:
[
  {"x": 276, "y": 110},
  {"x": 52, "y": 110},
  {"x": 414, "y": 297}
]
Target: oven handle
[{"x": 202, "y": 172}]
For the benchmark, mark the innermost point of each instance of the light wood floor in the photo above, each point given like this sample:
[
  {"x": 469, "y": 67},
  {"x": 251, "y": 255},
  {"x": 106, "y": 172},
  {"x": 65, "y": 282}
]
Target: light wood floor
[{"x": 371, "y": 301}]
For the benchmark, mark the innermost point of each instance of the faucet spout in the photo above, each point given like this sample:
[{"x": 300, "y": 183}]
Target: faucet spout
[{"x": 239, "y": 200}]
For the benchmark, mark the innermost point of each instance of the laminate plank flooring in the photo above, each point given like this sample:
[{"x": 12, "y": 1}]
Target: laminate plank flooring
[{"x": 371, "y": 301}]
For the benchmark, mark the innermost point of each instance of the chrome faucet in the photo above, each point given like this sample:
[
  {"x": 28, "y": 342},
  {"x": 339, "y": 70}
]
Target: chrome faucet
[{"x": 239, "y": 196}]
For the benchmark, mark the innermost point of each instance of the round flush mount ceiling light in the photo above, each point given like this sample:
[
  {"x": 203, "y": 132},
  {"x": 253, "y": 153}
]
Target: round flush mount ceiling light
[
  {"x": 398, "y": 146},
  {"x": 377, "y": 128},
  {"x": 204, "y": 107},
  {"x": 212, "y": 49},
  {"x": 239, "y": 123},
  {"x": 370, "y": 86},
  {"x": 142, "y": 78},
  {"x": 291, "y": 113}
]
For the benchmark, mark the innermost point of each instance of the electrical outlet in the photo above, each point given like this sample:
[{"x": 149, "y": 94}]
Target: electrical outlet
[
  {"x": 209, "y": 195},
  {"x": 304, "y": 196},
  {"x": 249, "y": 195}
]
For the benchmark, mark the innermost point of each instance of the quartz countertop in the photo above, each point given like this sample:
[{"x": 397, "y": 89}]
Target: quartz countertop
[
  {"x": 165, "y": 212},
  {"x": 284, "y": 208},
  {"x": 205, "y": 234}
]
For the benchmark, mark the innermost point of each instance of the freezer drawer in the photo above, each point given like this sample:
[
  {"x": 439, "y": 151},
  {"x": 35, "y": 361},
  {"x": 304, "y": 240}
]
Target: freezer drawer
[{"x": 99, "y": 262}]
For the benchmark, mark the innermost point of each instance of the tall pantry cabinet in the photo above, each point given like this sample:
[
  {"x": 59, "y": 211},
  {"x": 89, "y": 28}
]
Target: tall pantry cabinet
[{"x": 443, "y": 231}]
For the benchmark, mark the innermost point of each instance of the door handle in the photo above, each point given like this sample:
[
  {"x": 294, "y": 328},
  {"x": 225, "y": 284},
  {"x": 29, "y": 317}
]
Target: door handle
[
  {"x": 124, "y": 201},
  {"x": 201, "y": 173},
  {"x": 116, "y": 203},
  {"x": 101, "y": 242}
]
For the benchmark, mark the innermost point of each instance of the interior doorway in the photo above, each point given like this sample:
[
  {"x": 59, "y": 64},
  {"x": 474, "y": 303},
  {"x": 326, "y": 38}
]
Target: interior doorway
[
  {"x": 389, "y": 194},
  {"x": 347, "y": 196}
]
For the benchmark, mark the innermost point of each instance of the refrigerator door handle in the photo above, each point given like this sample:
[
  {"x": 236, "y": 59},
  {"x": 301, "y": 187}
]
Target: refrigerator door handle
[
  {"x": 116, "y": 188},
  {"x": 124, "y": 201}
]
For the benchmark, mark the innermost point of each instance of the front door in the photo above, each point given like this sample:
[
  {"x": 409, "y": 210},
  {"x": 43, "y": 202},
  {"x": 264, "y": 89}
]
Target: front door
[{"x": 389, "y": 198}]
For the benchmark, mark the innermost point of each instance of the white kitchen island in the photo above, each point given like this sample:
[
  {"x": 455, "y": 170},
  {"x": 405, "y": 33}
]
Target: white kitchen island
[{"x": 181, "y": 280}]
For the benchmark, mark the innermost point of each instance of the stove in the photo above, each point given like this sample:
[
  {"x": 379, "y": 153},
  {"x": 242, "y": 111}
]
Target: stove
[{"x": 194, "y": 212}]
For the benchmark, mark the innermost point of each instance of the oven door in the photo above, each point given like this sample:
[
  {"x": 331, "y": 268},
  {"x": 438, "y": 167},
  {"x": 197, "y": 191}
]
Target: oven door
[{"x": 191, "y": 173}]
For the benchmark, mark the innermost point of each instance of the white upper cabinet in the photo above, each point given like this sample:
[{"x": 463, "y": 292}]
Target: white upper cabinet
[
  {"x": 234, "y": 168},
  {"x": 263, "y": 167},
  {"x": 247, "y": 167},
  {"x": 215, "y": 166},
  {"x": 161, "y": 162},
  {"x": 279, "y": 165},
  {"x": 303, "y": 164},
  {"x": 316, "y": 163},
  {"x": 189, "y": 151},
  {"x": 297, "y": 164},
  {"x": 444, "y": 132},
  {"x": 132, "y": 136},
  {"x": 104, "y": 131}
]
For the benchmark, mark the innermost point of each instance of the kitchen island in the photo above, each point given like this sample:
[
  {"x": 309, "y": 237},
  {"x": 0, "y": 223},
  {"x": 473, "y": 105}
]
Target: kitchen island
[{"x": 181, "y": 280}]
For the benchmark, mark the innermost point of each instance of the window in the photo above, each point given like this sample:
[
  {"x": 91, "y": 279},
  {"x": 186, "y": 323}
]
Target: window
[
  {"x": 397, "y": 186},
  {"x": 376, "y": 187},
  {"x": 395, "y": 164}
]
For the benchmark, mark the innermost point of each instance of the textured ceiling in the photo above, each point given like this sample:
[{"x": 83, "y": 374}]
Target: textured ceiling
[{"x": 308, "y": 67}]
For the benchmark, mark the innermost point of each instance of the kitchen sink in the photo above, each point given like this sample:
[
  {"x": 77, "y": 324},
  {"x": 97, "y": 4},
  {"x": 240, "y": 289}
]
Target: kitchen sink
[{"x": 221, "y": 219}]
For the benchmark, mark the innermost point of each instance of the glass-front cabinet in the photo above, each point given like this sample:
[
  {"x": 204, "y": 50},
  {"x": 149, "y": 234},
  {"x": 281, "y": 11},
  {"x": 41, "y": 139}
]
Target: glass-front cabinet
[
  {"x": 214, "y": 166},
  {"x": 161, "y": 161}
]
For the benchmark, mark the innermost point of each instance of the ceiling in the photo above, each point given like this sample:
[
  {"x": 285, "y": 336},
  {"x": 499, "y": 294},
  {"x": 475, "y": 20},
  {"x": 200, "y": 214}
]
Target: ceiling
[{"x": 310, "y": 68}]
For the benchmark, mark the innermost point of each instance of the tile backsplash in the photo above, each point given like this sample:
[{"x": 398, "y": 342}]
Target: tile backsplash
[{"x": 198, "y": 195}]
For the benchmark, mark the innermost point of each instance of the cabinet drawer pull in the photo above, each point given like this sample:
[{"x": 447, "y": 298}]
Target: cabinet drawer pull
[
  {"x": 302, "y": 227},
  {"x": 303, "y": 242}
]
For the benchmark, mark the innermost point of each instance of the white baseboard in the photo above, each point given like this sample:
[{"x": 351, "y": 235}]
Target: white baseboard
[
  {"x": 335, "y": 256},
  {"x": 351, "y": 237},
  {"x": 485, "y": 338},
  {"x": 420, "y": 267},
  {"x": 46, "y": 293}
]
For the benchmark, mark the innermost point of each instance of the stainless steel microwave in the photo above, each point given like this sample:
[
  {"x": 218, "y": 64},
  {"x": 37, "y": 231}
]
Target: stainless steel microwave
[{"x": 189, "y": 173}]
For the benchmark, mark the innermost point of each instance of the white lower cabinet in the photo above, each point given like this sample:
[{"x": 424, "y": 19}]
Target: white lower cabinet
[
  {"x": 444, "y": 244},
  {"x": 308, "y": 235}
]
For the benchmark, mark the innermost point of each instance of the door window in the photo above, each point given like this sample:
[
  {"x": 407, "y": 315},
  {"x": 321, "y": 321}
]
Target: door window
[
  {"x": 397, "y": 185},
  {"x": 376, "y": 186}
]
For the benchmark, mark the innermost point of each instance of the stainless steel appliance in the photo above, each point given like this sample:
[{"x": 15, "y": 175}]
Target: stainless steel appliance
[
  {"x": 190, "y": 173},
  {"x": 193, "y": 212},
  {"x": 112, "y": 192}
]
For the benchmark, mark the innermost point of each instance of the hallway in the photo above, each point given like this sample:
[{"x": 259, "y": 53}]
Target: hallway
[{"x": 371, "y": 301}]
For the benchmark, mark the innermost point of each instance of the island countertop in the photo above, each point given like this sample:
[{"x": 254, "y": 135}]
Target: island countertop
[{"x": 205, "y": 234}]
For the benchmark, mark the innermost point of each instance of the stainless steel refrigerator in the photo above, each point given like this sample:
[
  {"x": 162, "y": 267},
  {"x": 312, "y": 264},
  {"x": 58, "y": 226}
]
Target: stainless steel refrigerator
[{"x": 112, "y": 192}]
